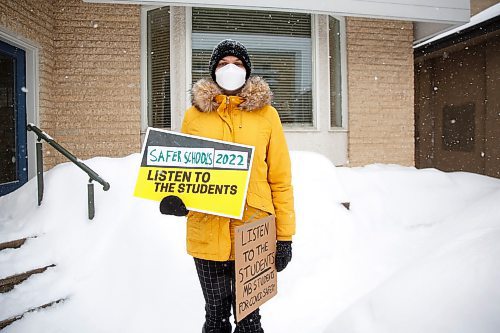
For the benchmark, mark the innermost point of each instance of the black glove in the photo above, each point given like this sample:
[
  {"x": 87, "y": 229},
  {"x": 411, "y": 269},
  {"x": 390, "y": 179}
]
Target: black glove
[
  {"x": 283, "y": 254},
  {"x": 173, "y": 205}
]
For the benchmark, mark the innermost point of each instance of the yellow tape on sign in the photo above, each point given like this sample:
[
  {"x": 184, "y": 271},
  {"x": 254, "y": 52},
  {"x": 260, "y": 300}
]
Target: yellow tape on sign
[{"x": 210, "y": 176}]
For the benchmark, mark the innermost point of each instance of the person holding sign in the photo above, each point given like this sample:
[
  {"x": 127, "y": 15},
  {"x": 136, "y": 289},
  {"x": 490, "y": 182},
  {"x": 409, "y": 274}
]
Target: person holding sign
[{"x": 236, "y": 107}]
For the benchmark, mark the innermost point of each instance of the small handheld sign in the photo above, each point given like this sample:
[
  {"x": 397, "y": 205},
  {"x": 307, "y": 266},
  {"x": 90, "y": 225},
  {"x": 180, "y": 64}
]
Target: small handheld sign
[
  {"x": 256, "y": 277},
  {"x": 210, "y": 176}
]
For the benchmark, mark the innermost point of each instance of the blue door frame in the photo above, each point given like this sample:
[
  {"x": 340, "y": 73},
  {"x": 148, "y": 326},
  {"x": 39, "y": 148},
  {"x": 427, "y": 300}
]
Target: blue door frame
[{"x": 18, "y": 58}]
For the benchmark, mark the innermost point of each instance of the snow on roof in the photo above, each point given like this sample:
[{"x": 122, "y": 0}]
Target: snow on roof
[{"x": 479, "y": 18}]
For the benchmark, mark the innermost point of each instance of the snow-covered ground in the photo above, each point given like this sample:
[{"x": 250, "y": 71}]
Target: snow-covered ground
[{"x": 418, "y": 251}]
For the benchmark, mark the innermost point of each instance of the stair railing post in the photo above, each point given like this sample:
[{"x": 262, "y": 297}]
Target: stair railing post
[
  {"x": 41, "y": 135},
  {"x": 39, "y": 170},
  {"x": 90, "y": 187}
]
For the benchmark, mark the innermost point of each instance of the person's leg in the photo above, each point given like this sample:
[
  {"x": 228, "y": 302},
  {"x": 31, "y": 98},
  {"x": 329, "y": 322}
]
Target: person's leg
[
  {"x": 215, "y": 280},
  {"x": 250, "y": 324}
]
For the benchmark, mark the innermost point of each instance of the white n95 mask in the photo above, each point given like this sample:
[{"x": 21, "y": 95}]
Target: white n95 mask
[{"x": 230, "y": 77}]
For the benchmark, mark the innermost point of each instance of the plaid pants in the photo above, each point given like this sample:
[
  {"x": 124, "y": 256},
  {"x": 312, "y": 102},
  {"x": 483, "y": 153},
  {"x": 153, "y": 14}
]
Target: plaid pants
[{"x": 217, "y": 284}]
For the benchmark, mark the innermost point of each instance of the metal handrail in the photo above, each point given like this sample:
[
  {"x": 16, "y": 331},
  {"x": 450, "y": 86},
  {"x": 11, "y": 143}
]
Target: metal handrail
[{"x": 41, "y": 135}]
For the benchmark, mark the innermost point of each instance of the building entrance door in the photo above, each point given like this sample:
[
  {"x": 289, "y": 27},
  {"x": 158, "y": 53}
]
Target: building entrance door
[{"x": 13, "y": 147}]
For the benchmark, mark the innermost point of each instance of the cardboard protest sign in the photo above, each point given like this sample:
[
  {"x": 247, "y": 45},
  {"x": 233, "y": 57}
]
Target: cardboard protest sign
[
  {"x": 210, "y": 176},
  {"x": 256, "y": 277}
]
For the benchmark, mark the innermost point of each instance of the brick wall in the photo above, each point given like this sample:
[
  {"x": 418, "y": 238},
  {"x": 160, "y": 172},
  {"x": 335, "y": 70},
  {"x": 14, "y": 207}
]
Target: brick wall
[
  {"x": 33, "y": 21},
  {"x": 89, "y": 57},
  {"x": 97, "y": 78},
  {"x": 380, "y": 83}
]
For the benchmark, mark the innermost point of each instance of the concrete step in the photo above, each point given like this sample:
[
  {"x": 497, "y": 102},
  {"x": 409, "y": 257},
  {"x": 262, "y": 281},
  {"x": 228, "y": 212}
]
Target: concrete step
[
  {"x": 15, "y": 244},
  {"x": 6, "y": 322},
  {"x": 8, "y": 283}
]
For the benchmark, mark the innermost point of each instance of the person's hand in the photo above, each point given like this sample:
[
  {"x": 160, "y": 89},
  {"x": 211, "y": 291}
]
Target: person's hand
[
  {"x": 173, "y": 205},
  {"x": 283, "y": 254}
]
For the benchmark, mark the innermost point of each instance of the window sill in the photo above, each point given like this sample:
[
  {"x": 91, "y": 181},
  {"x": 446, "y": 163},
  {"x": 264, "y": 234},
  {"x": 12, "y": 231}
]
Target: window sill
[
  {"x": 312, "y": 129},
  {"x": 298, "y": 128},
  {"x": 338, "y": 130}
]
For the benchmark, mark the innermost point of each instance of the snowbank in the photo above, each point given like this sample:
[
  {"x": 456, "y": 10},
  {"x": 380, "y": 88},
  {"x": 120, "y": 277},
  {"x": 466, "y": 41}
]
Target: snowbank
[{"x": 417, "y": 252}]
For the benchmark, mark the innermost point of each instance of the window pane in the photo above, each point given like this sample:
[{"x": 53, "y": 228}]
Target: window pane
[
  {"x": 159, "y": 67},
  {"x": 335, "y": 74},
  {"x": 8, "y": 166},
  {"x": 280, "y": 49}
]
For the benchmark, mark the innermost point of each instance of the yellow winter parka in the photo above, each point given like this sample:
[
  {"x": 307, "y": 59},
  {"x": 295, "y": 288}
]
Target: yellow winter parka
[{"x": 246, "y": 118}]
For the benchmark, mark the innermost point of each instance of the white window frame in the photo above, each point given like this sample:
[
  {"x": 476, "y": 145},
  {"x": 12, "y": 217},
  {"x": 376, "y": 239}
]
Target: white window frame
[
  {"x": 189, "y": 53},
  {"x": 332, "y": 140},
  {"x": 343, "y": 77}
]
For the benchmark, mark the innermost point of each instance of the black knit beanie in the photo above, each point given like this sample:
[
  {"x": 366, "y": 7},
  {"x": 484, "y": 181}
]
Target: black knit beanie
[{"x": 233, "y": 48}]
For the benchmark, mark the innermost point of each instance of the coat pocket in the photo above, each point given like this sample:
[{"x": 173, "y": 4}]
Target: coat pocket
[
  {"x": 202, "y": 235},
  {"x": 259, "y": 196},
  {"x": 199, "y": 228}
]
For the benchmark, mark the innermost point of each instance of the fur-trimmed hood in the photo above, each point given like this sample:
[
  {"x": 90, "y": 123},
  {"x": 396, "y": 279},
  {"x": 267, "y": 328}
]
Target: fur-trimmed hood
[{"x": 255, "y": 94}]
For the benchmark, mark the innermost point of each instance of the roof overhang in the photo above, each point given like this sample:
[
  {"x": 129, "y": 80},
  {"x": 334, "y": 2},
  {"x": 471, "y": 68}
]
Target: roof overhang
[
  {"x": 431, "y": 16},
  {"x": 482, "y": 26}
]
